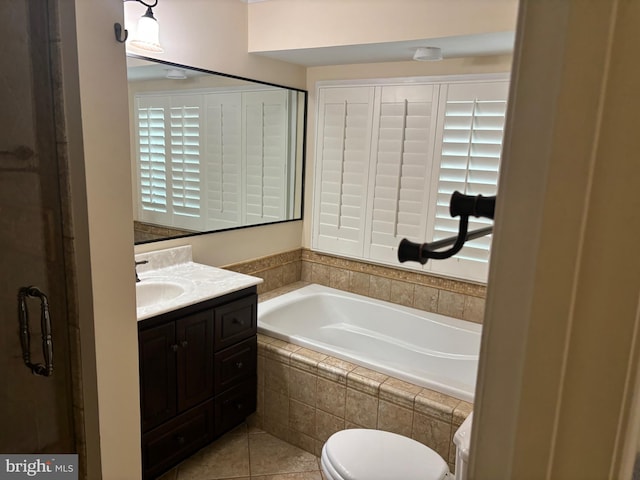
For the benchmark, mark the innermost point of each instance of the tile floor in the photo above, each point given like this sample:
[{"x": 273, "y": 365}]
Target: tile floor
[{"x": 248, "y": 454}]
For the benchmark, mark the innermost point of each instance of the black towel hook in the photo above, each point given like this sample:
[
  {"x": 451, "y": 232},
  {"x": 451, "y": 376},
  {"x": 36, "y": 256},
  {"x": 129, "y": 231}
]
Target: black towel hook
[{"x": 460, "y": 205}]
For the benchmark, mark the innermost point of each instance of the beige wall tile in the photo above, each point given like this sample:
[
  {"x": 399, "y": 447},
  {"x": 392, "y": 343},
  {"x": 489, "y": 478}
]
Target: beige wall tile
[
  {"x": 331, "y": 397},
  {"x": 451, "y": 304},
  {"x": 473, "y": 309},
  {"x": 306, "y": 272},
  {"x": 276, "y": 376},
  {"x": 302, "y": 418},
  {"x": 402, "y": 292},
  {"x": 304, "y": 442},
  {"x": 327, "y": 425},
  {"x": 435, "y": 434},
  {"x": 291, "y": 273},
  {"x": 380, "y": 288},
  {"x": 425, "y": 298},
  {"x": 320, "y": 274},
  {"x": 302, "y": 386},
  {"x": 361, "y": 409},
  {"x": 359, "y": 283},
  {"x": 394, "y": 418},
  {"x": 276, "y": 410},
  {"x": 339, "y": 278}
]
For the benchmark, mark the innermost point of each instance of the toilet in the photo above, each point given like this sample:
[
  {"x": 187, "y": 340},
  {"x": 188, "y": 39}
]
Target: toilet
[{"x": 364, "y": 454}]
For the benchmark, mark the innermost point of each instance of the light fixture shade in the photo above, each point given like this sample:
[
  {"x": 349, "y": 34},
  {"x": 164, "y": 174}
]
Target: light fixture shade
[
  {"x": 147, "y": 35},
  {"x": 428, "y": 54}
]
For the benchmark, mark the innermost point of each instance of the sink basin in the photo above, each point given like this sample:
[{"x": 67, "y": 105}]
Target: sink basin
[{"x": 153, "y": 292}]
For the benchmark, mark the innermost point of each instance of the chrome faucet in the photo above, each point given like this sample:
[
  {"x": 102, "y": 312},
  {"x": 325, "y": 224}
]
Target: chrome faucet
[{"x": 143, "y": 262}]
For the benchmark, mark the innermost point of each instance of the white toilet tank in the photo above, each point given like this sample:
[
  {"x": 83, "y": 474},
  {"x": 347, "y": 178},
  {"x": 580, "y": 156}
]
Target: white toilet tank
[{"x": 462, "y": 440}]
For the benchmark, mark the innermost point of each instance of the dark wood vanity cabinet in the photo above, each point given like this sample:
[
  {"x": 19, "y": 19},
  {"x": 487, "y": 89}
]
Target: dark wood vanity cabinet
[{"x": 197, "y": 376}]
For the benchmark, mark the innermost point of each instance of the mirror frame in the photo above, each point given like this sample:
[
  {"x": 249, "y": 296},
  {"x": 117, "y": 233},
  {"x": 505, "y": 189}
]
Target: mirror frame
[{"x": 303, "y": 160}]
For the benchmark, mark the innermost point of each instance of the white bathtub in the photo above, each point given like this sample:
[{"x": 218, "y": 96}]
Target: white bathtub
[{"x": 427, "y": 349}]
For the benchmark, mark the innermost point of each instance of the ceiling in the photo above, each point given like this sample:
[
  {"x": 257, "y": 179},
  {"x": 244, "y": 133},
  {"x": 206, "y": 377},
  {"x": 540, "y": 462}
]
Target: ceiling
[{"x": 498, "y": 43}]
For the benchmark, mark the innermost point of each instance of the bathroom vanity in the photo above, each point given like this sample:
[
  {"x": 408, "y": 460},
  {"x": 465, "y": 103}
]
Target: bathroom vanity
[{"x": 197, "y": 361}]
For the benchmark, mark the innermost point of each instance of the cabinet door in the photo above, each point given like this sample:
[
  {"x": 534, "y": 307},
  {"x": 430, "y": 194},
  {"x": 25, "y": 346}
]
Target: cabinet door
[
  {"x": 194, "y": 335},
  {"x": 156, "y": 347}
]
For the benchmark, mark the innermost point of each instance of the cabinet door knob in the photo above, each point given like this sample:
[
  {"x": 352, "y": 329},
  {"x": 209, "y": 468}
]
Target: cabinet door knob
[
  {"x": 174, "y": 347},
  {"x": 180, "y": 440},
  {"x": 184, "y": 343},
  {"x": 239, "y": 365},
  {"x": 239, "y": 406}
]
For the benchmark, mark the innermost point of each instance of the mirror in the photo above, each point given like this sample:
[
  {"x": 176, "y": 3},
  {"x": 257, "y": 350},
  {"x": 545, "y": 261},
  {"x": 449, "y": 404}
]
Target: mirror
[{"x": 211, "y": 151}]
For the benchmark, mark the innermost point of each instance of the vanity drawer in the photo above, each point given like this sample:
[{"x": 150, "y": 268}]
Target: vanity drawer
[
  {"x": 235, "y": 364},
  {"x": 235, "y": 321},
  {"x": 233, "y": 406},
  {"x": 173, "y": 441}
]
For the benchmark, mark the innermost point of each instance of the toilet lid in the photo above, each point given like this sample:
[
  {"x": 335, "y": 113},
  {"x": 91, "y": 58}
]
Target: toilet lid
[{"x": 362, "y": 454}]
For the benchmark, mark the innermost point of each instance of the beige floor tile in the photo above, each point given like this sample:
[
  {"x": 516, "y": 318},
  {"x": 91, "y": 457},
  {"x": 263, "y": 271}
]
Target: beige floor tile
[
  {"x": 270, "y": 456},
  {"x": 291, "y": 476},
  {"x": 226, "y": 458}
]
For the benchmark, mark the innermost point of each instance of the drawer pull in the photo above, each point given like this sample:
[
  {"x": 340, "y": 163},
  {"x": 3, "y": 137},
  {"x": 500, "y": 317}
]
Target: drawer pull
[
  {"x": 180, "y": 440},
  {"x": 239, "y": 365},
  {"x": 235, "y": 321},
  {"x": 239, "y": 406}
]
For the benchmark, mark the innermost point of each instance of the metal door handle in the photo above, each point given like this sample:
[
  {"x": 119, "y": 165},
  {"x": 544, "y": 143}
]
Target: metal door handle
[{"x": 45, "y": 370}]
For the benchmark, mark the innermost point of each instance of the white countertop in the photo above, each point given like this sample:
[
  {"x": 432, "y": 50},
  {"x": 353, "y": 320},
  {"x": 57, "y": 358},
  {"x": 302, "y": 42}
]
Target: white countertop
[{"x": 199, "y": 282}]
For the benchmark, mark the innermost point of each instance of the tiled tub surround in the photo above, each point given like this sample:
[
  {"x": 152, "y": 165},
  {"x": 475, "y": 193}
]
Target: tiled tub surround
[
  {"x": 454, "y": 298},
  {"x": 305, "y": 396}
]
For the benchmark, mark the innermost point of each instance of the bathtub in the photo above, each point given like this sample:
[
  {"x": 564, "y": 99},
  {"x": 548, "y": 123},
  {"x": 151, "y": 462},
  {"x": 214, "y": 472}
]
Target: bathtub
[{"x": 426, "y": 349}]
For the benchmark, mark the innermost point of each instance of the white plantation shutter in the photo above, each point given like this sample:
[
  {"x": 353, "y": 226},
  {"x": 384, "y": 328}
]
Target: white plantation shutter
[
  {"x": 152, "y": 174},
  {"x": 467, "y": 159},
  {"x": 223, "y": 141},
  {"x": 342, "y": 169},
  {"x": 185, "y": 136},
  {"x": 403, "y": 131},
  {"x": 266, "y": 121}
]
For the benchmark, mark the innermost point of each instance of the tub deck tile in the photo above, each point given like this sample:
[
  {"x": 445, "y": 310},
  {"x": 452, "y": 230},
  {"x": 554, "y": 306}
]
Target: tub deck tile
[
  {"x": 436, "y": 404},
  {"x": 365, "y": 380},
  {"x": 399, "y": 392},
  {"x": 307, "y": 360},
  {"x": 335, "y": 369}
]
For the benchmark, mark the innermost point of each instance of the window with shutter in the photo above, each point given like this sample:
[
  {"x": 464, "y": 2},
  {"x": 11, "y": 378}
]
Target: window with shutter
[{"x": 388, "y": 158}]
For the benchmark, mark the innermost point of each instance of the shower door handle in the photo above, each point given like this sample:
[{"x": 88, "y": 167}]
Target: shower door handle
[{"x": 45, "y": 370}]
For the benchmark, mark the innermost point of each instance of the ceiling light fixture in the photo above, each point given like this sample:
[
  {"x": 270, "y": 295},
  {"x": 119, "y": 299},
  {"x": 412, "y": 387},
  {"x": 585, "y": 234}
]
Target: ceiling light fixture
[
  {"x": 428, "y": 54},
  {"x": 176, "y": 74},
  {"x": 147, "y": 35}
]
